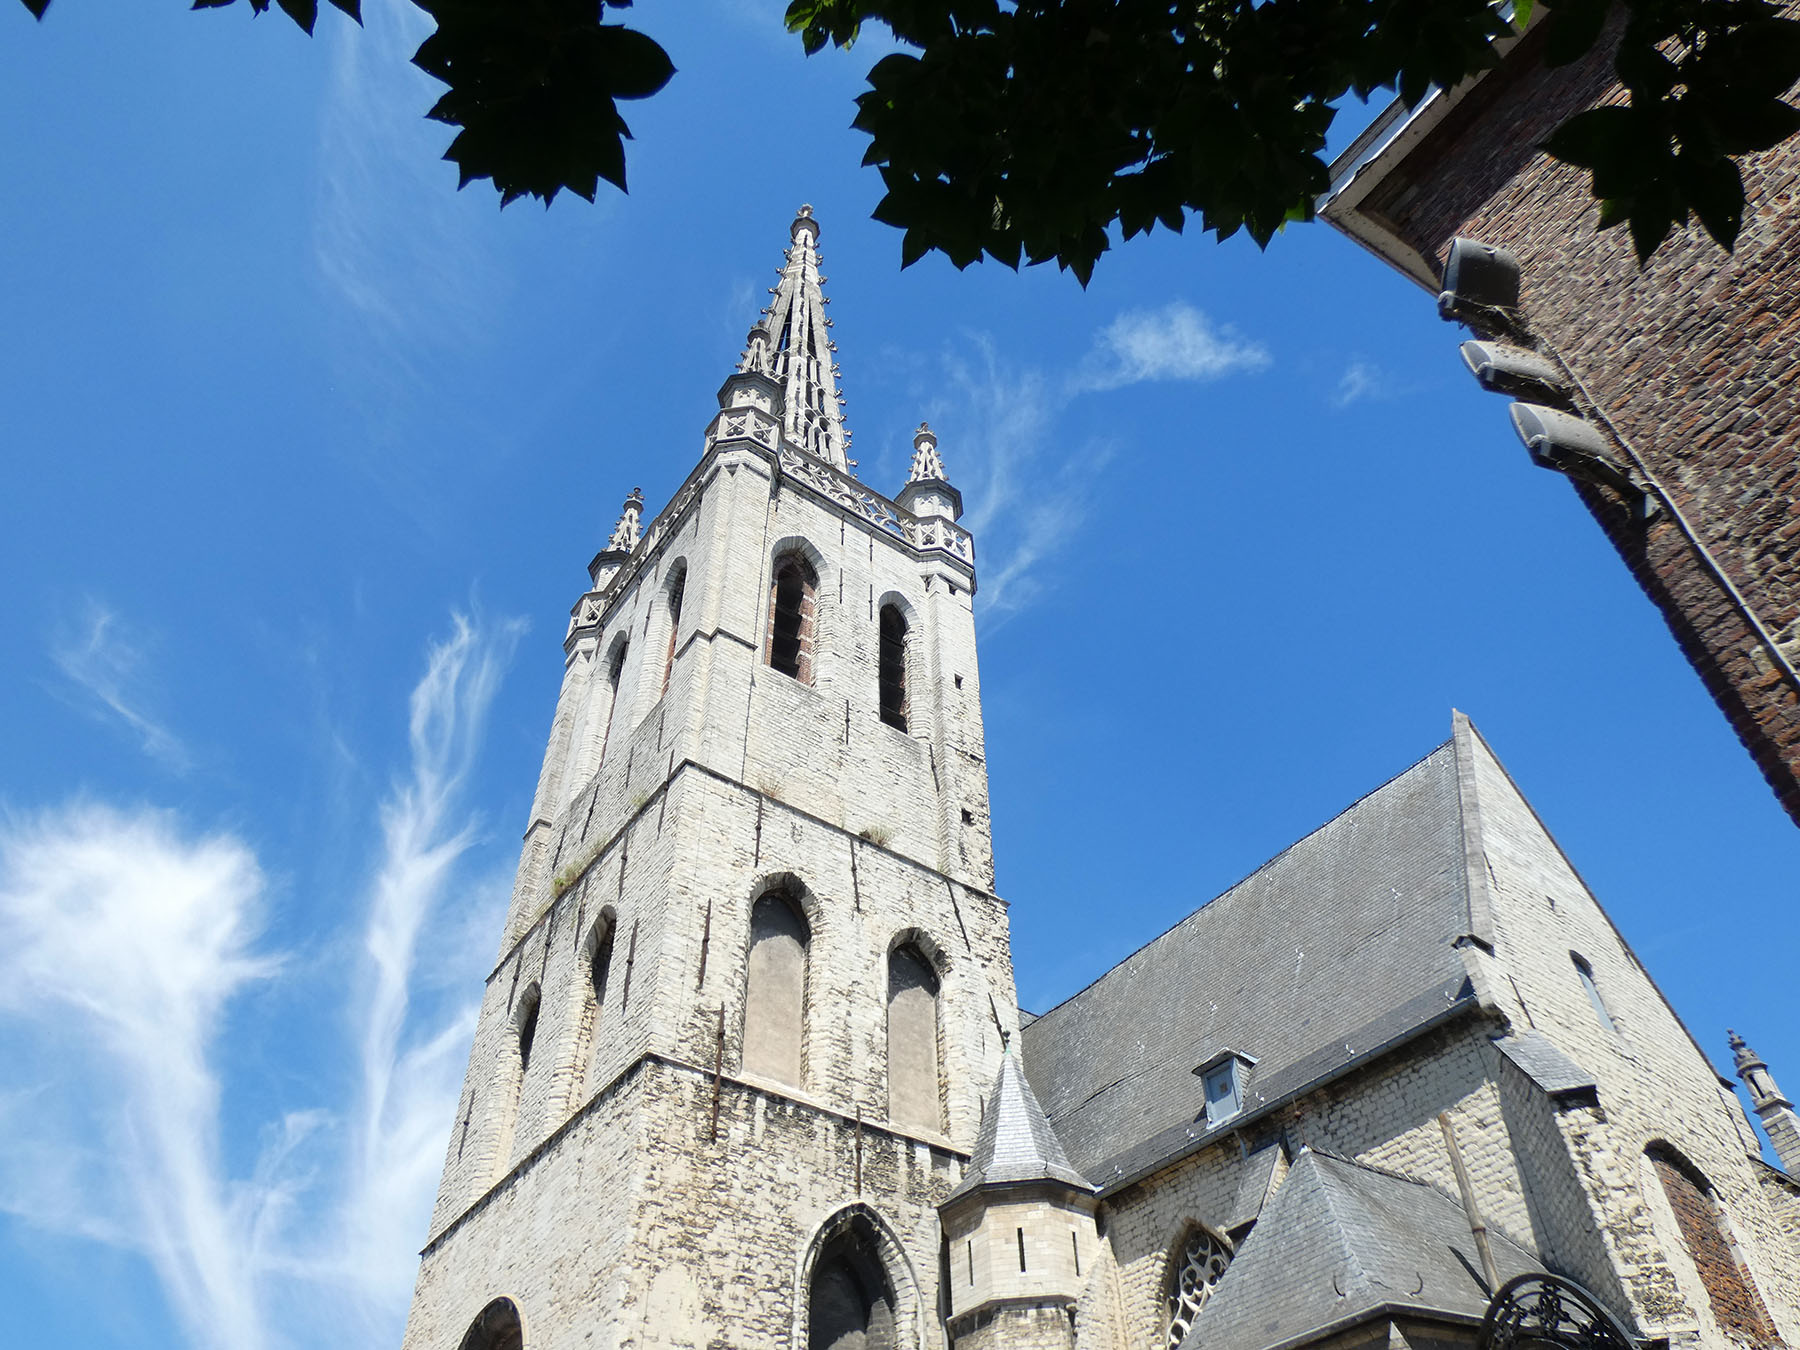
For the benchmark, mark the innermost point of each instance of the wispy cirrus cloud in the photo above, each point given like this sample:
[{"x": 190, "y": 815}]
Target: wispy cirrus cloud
[
  {"x": 412, "y": 1066},
  {"x": 1176, "y": 342},
  {"x": 130, "y": 935},
  {"x": 1363, "y": 382},
  {"x": 105, "y": 661},
  {"x": 1029, "y": 492},
  {"x": 127, "y": 937}
]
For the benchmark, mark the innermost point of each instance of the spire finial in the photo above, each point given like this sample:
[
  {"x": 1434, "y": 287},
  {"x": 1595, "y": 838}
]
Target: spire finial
[
  {"x": 793, "y": 344},
  {"x": 626, "y": 533},
  {"x": 927, "y": 465}
]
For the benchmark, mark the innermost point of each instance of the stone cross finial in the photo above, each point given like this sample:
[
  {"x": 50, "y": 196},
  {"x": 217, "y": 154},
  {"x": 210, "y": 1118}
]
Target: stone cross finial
[{"x": 627, "y": 532}]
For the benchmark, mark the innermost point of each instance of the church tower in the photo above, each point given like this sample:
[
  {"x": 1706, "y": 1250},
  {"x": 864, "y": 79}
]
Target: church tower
[{"x": 754, "y": 979}]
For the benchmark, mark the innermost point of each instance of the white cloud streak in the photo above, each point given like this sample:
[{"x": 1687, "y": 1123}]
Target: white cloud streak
[
  {"x": 1176, "y": 342},
  {"x": 101, "y": 658},
  {"x": 1028, "y": 494},
  {"x": 126, "y": 940},
  {"x": 129, "y": 936},
  {"x": 1362, "y": 381},
  {"x": 410, "y": 1082}
]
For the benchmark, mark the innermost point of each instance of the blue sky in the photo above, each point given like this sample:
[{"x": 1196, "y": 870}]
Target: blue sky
[{"x": 305, "y": 453}]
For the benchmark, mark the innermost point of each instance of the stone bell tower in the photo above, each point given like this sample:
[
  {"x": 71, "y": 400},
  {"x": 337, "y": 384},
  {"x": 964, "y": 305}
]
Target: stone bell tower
[{"x": 754, "y": 977}]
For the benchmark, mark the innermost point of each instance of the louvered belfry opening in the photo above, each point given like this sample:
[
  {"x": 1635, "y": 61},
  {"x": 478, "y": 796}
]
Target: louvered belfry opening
[
  {"x": 893, "y": 667},
  {"x": 791, "y": 618}
]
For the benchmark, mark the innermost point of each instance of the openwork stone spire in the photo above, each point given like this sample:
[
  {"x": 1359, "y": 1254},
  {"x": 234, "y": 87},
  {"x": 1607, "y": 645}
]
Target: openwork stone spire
[
  {"x": 927, "y": 464},
  {"x": 630, "y": 528},
  {"x": 792, "y": 345}
]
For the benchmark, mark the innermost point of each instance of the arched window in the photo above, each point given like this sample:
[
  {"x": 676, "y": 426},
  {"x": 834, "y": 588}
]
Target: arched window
[
  {"x": 850, "y": 1305},
  {"x": 515, "y": 1063},
  {"x": 893, "y": 666},
  {"x": 497, "y": 1328},
  {"x": 775, "y": 994},
  {"x": 676, "y": 591},
  {"x": 793, "y": 591},
  {"x": 1737, "y": 1308},
  {"x": 614, "y": 674},
  {"x": 527, "y": 1030},
  {"x": 913, "y": 1097},
  {"x": 1195, "y": 1267},
  {"x": 1585, "y": 973},
  {"x": 597, "y": 952}
]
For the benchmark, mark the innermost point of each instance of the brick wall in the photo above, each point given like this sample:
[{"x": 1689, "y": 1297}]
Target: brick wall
[
  {"x": 1736, "y": 1306},
  {"x": 1689, "y": 358}
]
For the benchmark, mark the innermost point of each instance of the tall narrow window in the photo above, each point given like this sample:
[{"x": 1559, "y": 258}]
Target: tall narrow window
[
  {"x": 615, "y": 673},
  {"x": 675, "y": 596},
  {"x": 509, "y": 1085},
  {"x": 528, "y": 1020},
  {"x": 599, "y": 948},
  {"x": 913, "y": 1096},
  {"x": 792, "y": 595},
  {"x": 893, "y": 666},
  {"x": 1736, "y": 1305},
  {"x": 850, "y": 1305},
  {"x": 1585, "y": 973},
  {"x": 775, "y": 996}
]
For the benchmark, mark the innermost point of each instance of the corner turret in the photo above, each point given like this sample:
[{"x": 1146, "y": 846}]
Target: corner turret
[
  {"x": 1020, "y": 1228},
  {"x": 928, "y": 492},
  {"x": 1766, "y": 1099}
]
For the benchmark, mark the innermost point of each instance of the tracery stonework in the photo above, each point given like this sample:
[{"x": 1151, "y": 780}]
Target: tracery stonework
[{"x": 1203, "y": 1261}]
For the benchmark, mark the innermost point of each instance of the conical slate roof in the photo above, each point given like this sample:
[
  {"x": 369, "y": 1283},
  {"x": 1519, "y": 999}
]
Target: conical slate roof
[{"x": 1016, "y": 1142}]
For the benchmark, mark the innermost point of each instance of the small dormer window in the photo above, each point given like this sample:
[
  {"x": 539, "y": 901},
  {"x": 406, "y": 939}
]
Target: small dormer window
[{"x": 1222, "y": 1078}]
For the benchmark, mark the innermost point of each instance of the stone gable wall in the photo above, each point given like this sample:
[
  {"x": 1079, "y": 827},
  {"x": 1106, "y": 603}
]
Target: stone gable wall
[{"x": 1654, "y": 1084}]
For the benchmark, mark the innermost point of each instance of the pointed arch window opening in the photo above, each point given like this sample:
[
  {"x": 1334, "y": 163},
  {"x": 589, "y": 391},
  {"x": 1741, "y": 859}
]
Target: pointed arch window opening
[
  {"x": 892, "y": 663},
  {"x": 677, "y": 593},
  {"x": 915, "y": 1062},
  {"x": 1705, "y": 1233},
  {"x": 497, "y": 1327},
  {"x": 593, "y": 1013},
  {"x": 775, "y": 991},
  {"x": 615, "y": 674},
  {"x": 792, "y": 603},
  {"x": 1197, "y": 1265}
]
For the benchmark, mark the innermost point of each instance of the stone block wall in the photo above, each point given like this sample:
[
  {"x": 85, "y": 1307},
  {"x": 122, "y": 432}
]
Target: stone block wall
[
  {"x": 636, "y": 1225},
  {"x": 1688, "y": 358},
  {"x": 1655, "y": 1087}
]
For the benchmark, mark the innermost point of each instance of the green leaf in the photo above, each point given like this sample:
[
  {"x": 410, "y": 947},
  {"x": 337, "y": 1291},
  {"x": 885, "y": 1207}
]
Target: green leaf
[
  {"x": 1521, "y": 14},
  {"x": 1599, "y": 136},
  {"x": 1714, "y": 190},
  {"x": 1572, "y": 29},
  {"x": 303, "y": 12}
]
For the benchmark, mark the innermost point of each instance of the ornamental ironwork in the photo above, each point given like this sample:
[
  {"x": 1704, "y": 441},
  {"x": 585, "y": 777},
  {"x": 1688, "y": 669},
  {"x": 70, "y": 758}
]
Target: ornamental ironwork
[{"x": 1547, "y": 1312}]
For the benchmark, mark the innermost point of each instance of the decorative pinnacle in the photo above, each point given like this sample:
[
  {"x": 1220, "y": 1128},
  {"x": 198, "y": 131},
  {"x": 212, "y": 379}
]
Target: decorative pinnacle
[
  {"x": 629, "y": 530},
  {"x": 926, "y": 464},
  {"x": 792, "y": 347}
]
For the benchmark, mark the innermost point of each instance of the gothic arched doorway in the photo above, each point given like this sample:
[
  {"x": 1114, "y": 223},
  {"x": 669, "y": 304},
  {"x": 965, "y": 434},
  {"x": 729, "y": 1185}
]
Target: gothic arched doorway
[{"x": 850, "y": 1299}]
